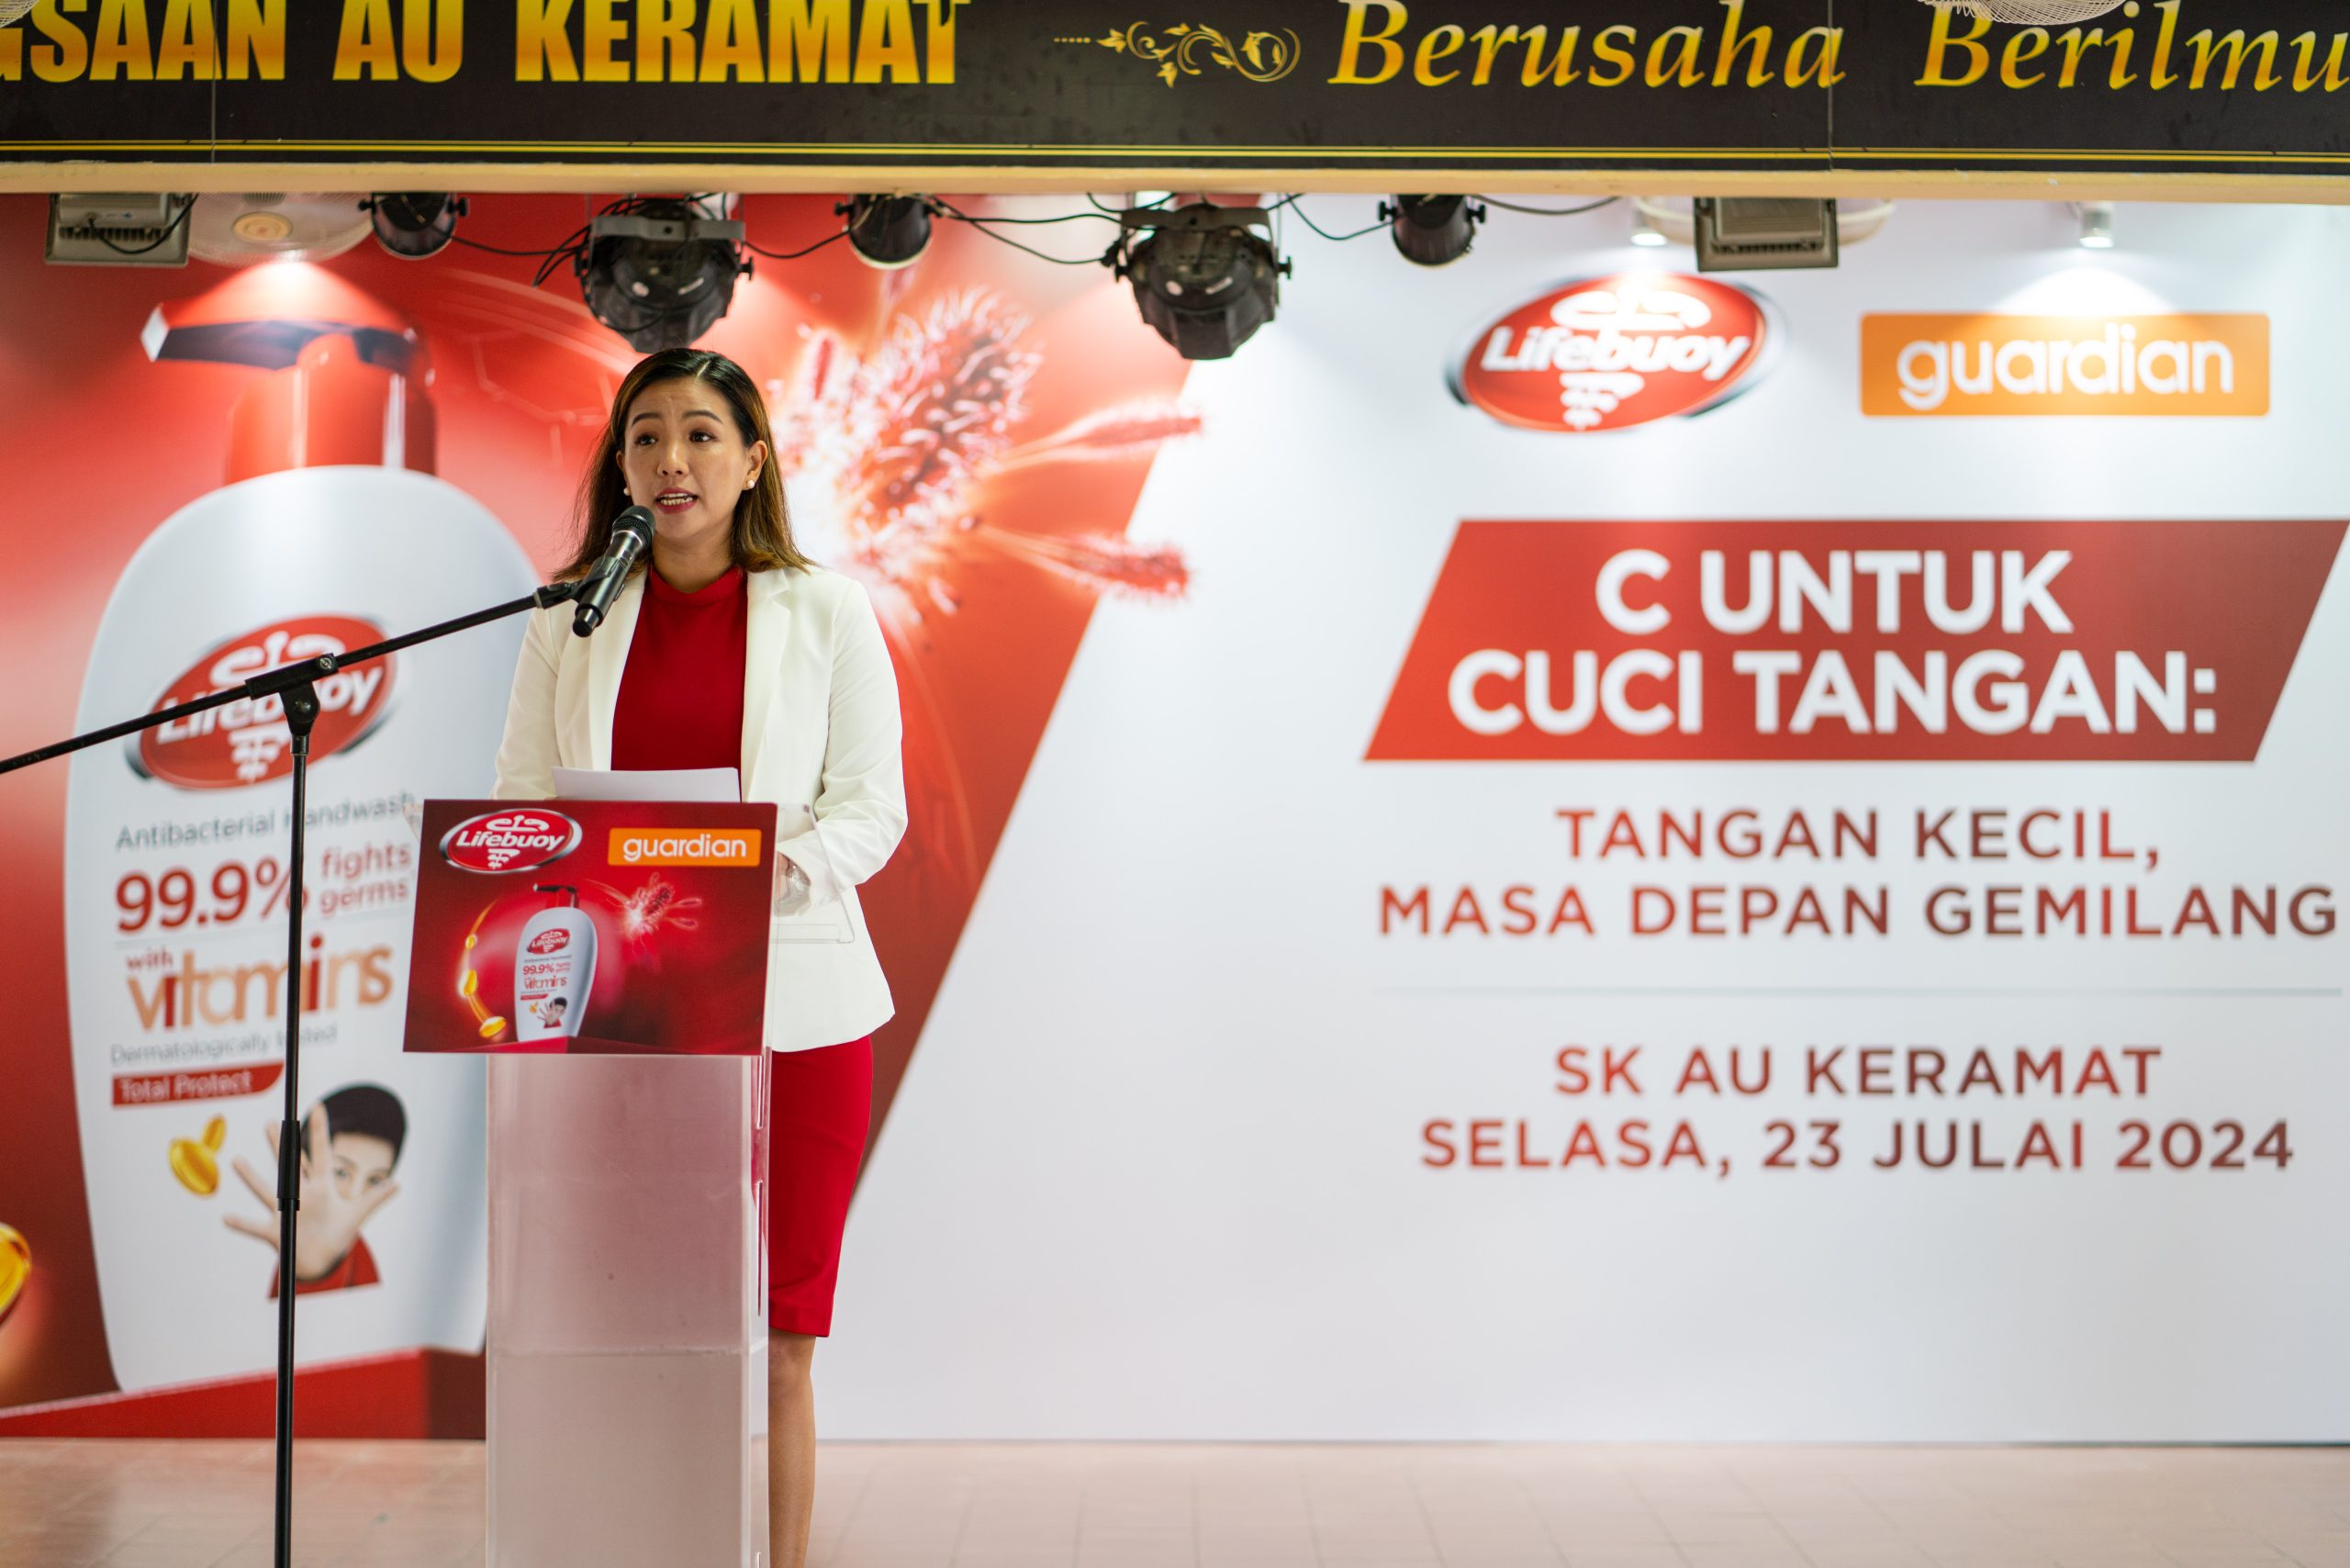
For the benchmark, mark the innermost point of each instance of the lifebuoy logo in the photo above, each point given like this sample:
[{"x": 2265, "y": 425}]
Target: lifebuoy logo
[
  {"x": 1929, "y": 366},
  {"x": 247, "y": 741},
  {"x": 552, "y": 941},
  {"x": 516, "y": 840},
  {"x": 1606, "y": 353}
]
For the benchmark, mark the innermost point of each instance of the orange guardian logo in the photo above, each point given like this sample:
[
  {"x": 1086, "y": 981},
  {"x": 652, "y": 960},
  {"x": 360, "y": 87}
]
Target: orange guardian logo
[
  {"x": 1925, "y": 367},
  {"x": 683, "y": 846}
]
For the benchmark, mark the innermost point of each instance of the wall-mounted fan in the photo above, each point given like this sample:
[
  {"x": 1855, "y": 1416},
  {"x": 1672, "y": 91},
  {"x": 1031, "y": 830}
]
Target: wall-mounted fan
[{"x": 237, "y": 230}]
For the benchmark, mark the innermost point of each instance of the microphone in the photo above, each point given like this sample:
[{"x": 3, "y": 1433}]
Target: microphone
[{"x": 632, "y": 537}]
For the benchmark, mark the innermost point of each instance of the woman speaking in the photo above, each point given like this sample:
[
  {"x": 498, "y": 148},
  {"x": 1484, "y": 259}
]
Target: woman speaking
[{"x": 734, "y": 650}]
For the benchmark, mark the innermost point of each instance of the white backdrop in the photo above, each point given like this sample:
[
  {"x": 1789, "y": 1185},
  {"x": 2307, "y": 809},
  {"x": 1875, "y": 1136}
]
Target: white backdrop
[{"x": 1159, "y": 1168}]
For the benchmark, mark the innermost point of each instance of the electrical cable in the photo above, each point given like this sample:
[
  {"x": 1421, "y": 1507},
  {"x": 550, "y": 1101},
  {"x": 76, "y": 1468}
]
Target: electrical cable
[
  {"x": 500, "y": 250},
  {"x": 161, "y": 239},
  {"x": 570, "y": 249},
  {"x": 1549, "y": 211},
  {"x": 1147, "y": 207},
  {"x": 1064, "y": 218},
  {"x": 981, "y": 225},
  {"x": 833, "y": 238},
  {"x": 1291, "y": 203}
]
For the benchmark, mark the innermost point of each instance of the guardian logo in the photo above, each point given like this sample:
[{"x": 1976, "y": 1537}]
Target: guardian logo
[{"x": 1914, "y": 366}]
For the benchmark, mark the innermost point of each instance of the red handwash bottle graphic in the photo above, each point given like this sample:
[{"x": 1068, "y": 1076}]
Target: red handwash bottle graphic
[
  {"x": 555, "y": 968},
  {"x": 331, "y": 532}
]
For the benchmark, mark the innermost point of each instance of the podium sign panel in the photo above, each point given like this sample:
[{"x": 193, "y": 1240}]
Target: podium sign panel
[{"x": 592, "y": 926}]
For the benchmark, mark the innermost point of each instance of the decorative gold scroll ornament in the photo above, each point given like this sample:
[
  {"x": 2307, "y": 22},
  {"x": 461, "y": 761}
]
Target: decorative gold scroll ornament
[{"x": 1182, "y": 49}]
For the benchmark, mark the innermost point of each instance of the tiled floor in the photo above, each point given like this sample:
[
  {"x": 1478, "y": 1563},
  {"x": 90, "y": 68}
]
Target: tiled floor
[{"x": 64, "y": 1505}]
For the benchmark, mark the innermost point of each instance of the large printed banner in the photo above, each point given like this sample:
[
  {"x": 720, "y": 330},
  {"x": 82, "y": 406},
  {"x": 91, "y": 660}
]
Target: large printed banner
[
  {"x": 1595, "y": 853},
  {"x": 447, "y": 412},
  {"x": 1700, "y": 86},
  {"x": 1646, "y": 893}
]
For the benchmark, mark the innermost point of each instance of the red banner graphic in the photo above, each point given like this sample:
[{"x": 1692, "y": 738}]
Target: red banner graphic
[
  {"x": 1878, "y": 642},
  {"x": 207, "y": 1083}
]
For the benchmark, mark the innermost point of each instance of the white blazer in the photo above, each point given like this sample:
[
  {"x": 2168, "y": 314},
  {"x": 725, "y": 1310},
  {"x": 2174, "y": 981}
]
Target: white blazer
[{"x": 819, "y": 727}]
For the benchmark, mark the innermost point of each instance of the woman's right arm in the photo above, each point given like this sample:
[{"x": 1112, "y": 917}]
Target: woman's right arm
[{"x": 526, "y": 756}]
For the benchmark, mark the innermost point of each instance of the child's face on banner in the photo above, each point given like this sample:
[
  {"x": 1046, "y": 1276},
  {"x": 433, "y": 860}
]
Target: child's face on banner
[{"x": 362, "y": 1162}]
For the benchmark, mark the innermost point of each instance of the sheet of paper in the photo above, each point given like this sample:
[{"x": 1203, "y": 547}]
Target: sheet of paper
[{"x": 659, "y": 784}]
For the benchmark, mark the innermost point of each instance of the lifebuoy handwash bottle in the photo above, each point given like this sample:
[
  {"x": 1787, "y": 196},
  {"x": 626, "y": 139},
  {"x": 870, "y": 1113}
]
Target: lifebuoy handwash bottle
[
  {"x": 555, "y": 968},
  {"x": 331, "y": 532}
]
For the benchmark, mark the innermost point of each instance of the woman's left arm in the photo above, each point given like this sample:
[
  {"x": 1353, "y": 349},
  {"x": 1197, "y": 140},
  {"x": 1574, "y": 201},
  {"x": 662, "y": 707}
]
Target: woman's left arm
[{"x": 861, "y": 804}]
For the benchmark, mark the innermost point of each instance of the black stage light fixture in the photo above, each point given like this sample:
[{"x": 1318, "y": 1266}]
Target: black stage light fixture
[
  {"x": 659, "y": 272},
  {"x": 1433, "y": 230},
  {"x": 1751, "y": 233},
  {"x": 1203, "y": 277},
  {"x": 887, "y": 230},
  {"x": 415, "y": 224}
]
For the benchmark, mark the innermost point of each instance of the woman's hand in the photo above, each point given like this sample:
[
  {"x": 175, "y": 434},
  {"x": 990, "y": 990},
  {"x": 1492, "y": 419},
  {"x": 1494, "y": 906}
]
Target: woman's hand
[{"x": 793, "y": 893}]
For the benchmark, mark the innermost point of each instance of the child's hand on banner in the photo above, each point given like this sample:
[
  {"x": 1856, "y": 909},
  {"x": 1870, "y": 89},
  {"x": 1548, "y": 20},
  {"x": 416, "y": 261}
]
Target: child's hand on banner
[{"x": 330, "y": 1217}]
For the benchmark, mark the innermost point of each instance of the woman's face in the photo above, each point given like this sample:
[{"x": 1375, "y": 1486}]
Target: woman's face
[{"x": 684, "y": 460}]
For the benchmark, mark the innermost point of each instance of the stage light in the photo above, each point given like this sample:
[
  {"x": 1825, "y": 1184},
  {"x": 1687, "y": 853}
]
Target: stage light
[
  {"x": 1750, "y": 233},
  {"x": 1644, "y": 228},
  {"x": 415, "y": 224},
  {"x": 886, "y": 230},
  {"x": 1433, "y": 230},
  {"x": 659, "y": 272},
  {"x": 2096, "y": 224},
  {"x": 1202, "y": 278}
]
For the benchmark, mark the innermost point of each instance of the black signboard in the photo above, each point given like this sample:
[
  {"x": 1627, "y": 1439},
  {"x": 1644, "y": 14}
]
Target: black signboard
[{"x": 1527, "y": 87}]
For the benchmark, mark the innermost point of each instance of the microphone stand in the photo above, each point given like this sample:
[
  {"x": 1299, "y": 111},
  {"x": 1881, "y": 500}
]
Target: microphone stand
[{"x": 295, "y": 686}]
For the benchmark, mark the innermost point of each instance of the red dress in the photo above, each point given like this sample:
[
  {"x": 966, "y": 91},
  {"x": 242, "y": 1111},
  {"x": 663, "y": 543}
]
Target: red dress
[{"x": 680, "y": 705}]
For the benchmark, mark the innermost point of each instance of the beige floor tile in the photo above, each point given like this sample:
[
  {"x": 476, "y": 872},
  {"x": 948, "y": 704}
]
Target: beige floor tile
[{"x": 200, "y": 1505}]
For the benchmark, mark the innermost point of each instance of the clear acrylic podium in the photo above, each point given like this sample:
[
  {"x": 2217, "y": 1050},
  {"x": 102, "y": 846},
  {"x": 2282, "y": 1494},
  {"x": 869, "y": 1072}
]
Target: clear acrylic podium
[
  {"x": 627, "y": 1342},
  {"x": 627, "y": 1333}
]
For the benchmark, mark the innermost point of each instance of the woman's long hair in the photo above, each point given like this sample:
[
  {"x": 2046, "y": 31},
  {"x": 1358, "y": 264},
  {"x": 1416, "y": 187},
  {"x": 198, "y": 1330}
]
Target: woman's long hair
[{"x": 762, "y": 524}]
